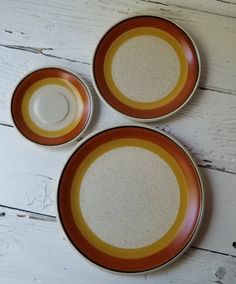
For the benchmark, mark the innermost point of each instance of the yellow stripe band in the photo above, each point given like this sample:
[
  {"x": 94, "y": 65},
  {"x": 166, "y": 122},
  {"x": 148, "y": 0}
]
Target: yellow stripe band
[
  {"x": 138, "y": 32},
  {"x": 72, "y": 90},
  {"x": 96, "y": 241}
]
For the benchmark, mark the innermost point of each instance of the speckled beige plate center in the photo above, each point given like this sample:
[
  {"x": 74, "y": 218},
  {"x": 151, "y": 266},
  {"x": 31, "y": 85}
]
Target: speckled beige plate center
[
  {"x": 130, "y": 199},
  {"x": 146, "y": 67}
]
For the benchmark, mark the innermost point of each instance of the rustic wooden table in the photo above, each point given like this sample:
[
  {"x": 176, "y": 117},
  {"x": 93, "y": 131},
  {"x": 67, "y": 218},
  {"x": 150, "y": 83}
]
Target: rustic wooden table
[{"x": 64, "y": 33}]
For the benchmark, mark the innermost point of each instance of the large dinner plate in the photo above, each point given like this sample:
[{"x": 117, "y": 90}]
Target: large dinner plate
[
  {"x": 130, "y": 199},
  {"x": 146, "y": 67}
]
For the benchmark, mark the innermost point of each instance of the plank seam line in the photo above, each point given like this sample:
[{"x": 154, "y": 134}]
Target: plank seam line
[
  {"x": 27, "y": 211},
  {"x": 213, "y": 251},
  {"x": 41, "y": 51},
  {"x": 6, "y": 124},
  {"x": 218, "y": 90},
  {"x": 210, "y": 167},
  {"x": 37, "y": 50},
  {"x": 227, "y": 2},
  {"x": 53, "y": 217},
  {"x": 216, "y": 169},
  {"x": 192, "y": 9}
]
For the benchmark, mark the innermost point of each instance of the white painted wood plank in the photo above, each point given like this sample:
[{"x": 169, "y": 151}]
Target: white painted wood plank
[
  {"x": 29, "y": 173},
  {"x": 72, "y": 29},
  {"x": 33, "y": 250},
  {"x": 222, "y": 7},
  {"x": 29, "y": 176},
  {"x": 206, "y": 125},
  {"x": 218, "y": 230}
]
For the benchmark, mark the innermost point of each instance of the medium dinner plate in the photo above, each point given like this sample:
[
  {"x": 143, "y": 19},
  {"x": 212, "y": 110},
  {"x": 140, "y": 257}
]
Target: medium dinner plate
[
  {"x": 130, "y": 199},
  {"x": 146, "y": 67},
  {"x": 51, "y": 106}
]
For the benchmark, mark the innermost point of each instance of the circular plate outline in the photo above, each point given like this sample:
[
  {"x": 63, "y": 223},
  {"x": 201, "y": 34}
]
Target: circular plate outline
[
  {"x": 197, "y": 224},
  {"x": 77, "y": 131},
  {"x": 140, "y": 117}
]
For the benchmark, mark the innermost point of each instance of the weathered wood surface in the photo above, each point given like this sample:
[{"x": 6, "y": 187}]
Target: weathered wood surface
[
  {"x": 71, "y": 30},
  {"x": 30, "y": 173},
  {"x": 35, "y": 33},
  {"x": 64, "y": 33},
  {"x": 33, "y": 250},
  {"x": 206, "y": 125}
]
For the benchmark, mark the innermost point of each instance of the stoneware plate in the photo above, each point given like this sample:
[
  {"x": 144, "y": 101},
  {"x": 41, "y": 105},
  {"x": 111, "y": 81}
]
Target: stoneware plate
[
  {"x": 130, "y": 199},
  {"x": 146, "y": 67},
  {"x": 51, "y": 106}
]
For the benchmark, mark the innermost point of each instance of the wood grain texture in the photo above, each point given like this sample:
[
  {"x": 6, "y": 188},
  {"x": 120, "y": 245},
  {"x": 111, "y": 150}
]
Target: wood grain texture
[
  {"x": 55, "y": 34},
  {"x": 206, "y": 125},
  {"x": 219, "y": 7},
  {"x": 49, "y": 258},
  {"x": 64, "y": 33}
]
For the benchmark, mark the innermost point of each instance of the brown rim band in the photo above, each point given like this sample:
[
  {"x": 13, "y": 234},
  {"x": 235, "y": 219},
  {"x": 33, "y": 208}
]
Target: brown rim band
[
  {"x": 24, "y": 85},
  {"x": 146, "y": 21},
  {"x": 193, "y": 208}
]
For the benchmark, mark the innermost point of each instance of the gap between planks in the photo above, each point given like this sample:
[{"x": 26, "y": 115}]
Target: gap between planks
[
  {"x": 28, "y": 213},
  {"x": 50, "y": 218},
  {"x": 41, "y": 50},
  {"x": 207, "y": 166},
  {"x": 37, "y": 50},
  {"x": 193, "y": 9}
]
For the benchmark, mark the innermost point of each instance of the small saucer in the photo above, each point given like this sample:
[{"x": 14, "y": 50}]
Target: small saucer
[{"x": 51, "y": 106}]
